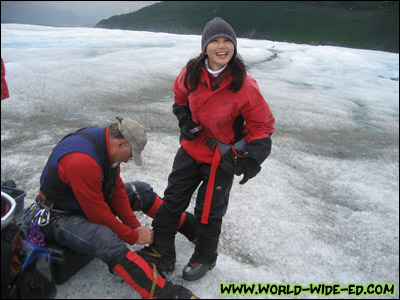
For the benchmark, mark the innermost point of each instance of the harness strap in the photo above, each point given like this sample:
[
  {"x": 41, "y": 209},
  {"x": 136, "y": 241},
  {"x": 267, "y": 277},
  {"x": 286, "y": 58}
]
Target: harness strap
[
  {"x": 46, "y": 203},
  {"x": 210, "y": 143},
  {"x": 219, "y": 149},
  {"x": 210, "y": 186}
]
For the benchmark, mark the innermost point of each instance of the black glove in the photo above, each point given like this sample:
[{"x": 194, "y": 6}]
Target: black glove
[
  {"x": 250, "y": 168},
  {"x": 231, "y": 163},
  {"x": 186, "y": 125}
]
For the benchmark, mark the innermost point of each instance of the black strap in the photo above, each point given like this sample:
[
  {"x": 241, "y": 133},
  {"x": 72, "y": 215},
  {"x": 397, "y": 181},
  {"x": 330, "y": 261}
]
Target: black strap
[{"x": 210, "y": 143}]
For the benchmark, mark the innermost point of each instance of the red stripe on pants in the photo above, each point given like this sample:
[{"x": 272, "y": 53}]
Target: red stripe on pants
[
  {"x": 156, "y": 205},
  {"x": 147, "y": 271}
]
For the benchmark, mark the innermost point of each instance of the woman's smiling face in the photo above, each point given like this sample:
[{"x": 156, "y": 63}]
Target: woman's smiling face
[{"x": 219, "y": 51}]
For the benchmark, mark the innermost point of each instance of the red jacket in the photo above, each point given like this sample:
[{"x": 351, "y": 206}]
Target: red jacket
[
  {"x": 4, "y": 88},
  {"x": 83, "y": 174},
  {"x": 217, "y": 110}
]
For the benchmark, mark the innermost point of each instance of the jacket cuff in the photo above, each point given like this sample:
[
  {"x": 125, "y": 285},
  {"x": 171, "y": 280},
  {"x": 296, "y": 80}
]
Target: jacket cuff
[
  {"x": 182, "y": 112},
  {"x": 259, "y": 149}
]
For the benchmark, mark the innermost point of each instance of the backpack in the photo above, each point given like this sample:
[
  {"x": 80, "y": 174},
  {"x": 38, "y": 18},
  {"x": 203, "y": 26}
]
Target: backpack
[
  {"x": 26, "y": 269},
  {"x": 11, "y": 249},
  {"x": 36, "y": 279}
]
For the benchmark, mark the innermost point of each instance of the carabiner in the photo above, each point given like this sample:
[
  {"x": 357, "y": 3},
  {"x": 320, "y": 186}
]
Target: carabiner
[{"x": 42, "y": 217}]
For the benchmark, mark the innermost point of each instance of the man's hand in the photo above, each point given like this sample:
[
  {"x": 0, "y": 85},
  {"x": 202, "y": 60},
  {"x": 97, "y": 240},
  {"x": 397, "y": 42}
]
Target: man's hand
[{"x": 146, "y": 235}]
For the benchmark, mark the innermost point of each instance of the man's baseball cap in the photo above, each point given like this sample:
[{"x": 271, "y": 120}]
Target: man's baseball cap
[{"x": 135, "y": 135}]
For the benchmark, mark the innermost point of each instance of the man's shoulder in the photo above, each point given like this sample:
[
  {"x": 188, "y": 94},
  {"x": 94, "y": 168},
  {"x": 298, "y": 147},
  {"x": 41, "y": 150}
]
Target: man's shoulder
[{"x": 78, "y": 159}]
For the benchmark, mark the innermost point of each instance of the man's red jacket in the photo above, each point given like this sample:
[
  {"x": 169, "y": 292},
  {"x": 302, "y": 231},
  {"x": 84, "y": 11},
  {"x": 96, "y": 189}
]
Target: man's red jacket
[{"x": 83, "y": 174}]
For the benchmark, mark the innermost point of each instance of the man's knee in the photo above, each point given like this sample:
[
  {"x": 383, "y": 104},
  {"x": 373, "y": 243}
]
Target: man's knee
[{"x": 141, "y": 195}]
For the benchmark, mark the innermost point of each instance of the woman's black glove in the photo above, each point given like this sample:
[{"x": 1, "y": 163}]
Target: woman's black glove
[
  {"x": 250, "y": 168},
  {"x": 186, "y": 126},
  {"x": 231, "y": 162}
]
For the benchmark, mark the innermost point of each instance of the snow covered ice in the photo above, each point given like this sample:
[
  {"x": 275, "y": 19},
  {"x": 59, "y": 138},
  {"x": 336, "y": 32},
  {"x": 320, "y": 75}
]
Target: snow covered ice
[{"x": 325, "y": 206}]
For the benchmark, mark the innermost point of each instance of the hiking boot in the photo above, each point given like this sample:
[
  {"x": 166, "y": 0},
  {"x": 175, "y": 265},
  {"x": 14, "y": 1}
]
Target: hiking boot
[
  {"x": 195, "y": 271},
  {"x": 152, "y": 256}
]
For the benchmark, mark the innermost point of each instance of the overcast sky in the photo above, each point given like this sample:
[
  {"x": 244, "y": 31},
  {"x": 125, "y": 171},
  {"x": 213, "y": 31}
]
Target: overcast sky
[{"x": 66, "y": 13}]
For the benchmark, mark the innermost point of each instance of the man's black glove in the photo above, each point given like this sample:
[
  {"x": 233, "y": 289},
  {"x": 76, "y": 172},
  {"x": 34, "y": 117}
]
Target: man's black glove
[
  {"x": 186, "y": 125},
  {"x": 249, "y": 167}
]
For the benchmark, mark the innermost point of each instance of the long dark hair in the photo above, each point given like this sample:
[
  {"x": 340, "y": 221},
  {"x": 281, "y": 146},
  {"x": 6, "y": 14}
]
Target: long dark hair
[{"x": 236, "y": 67}]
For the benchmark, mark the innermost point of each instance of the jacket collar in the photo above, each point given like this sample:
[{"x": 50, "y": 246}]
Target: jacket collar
[{"x": 222, "y": 81}]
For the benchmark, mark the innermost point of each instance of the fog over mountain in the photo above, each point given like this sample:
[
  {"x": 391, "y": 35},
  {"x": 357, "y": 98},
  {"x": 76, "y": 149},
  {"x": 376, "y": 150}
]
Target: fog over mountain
[{"x": 65, "y": 13}]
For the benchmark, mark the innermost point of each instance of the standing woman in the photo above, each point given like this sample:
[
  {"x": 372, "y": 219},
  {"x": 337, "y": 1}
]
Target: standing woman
[{"x": 217, "y": 104}]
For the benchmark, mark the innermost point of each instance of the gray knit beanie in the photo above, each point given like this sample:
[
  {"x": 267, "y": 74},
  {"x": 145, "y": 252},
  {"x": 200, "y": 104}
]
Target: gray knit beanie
[{"x": 217, "y": 27}]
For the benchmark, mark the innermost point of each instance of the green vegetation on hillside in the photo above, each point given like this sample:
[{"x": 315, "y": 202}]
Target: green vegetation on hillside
[{"x": 358, "y": 24}]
